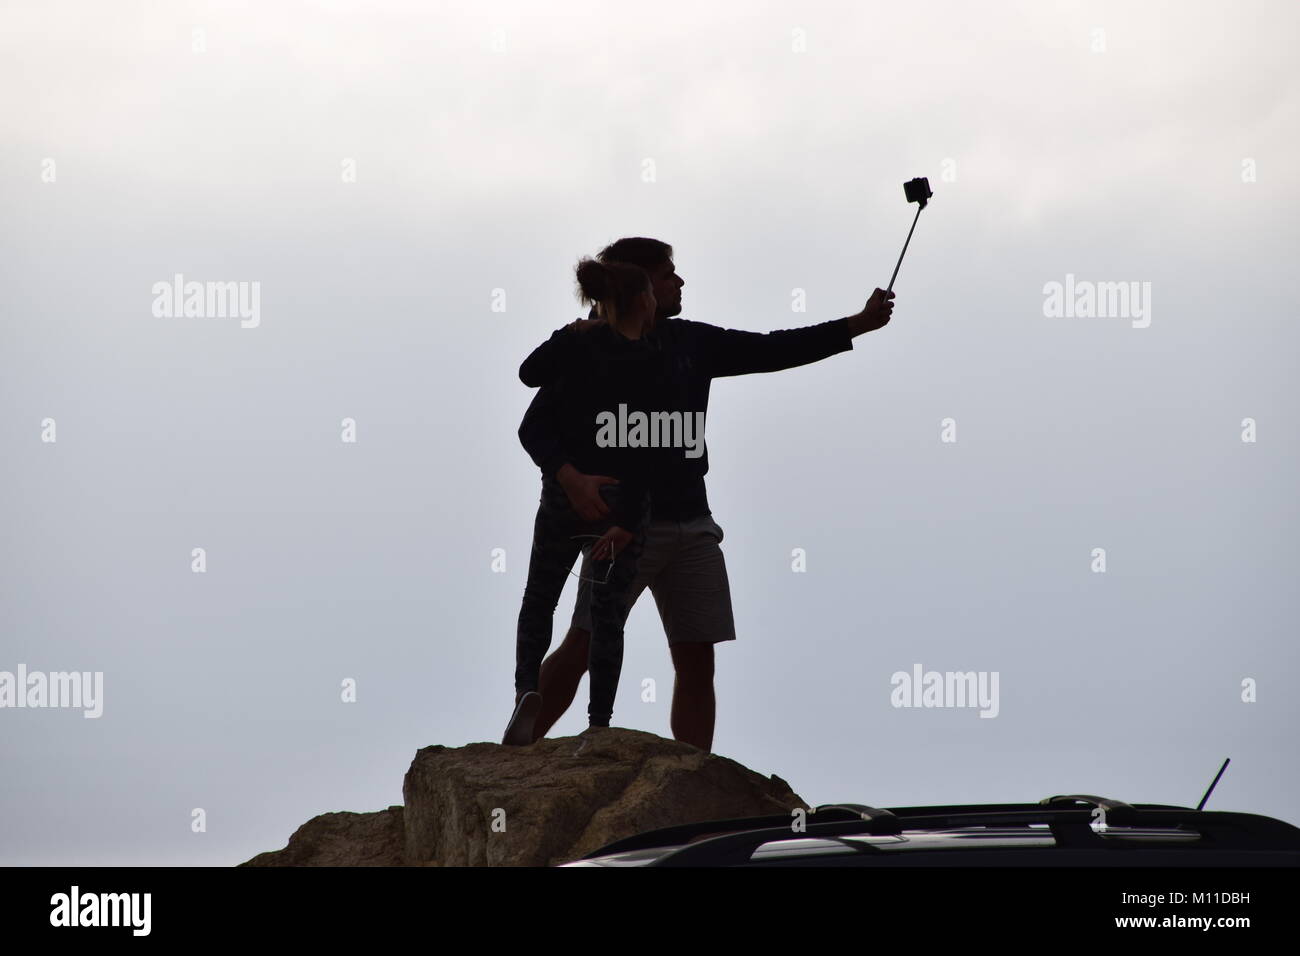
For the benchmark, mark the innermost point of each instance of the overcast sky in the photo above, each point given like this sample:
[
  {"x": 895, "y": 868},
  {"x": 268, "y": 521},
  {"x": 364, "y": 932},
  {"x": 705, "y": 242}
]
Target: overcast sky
[{"x": 410, "y": 185}]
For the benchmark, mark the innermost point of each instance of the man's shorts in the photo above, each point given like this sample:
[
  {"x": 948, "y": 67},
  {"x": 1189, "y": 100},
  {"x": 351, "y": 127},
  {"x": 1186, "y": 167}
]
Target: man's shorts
[{"x": 685, "y": 571}]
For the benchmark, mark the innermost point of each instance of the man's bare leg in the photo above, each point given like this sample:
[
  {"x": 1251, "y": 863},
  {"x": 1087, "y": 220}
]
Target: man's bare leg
[
  {"x": 560, "y": 675},
  {"x": 694, "y": 705}
]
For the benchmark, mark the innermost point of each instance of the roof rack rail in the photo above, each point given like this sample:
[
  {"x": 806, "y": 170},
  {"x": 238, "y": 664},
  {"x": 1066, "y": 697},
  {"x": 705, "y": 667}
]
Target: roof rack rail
[
  {"x": 686, "y": 832},
  {"x": 732, "y": 849},
  {"x": 1114, "y": 812},
  {"x": 861, "y": 809}
]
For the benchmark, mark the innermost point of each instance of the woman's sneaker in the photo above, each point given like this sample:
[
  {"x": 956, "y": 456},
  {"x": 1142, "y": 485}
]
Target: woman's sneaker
[{"x": 519, "y": 732}]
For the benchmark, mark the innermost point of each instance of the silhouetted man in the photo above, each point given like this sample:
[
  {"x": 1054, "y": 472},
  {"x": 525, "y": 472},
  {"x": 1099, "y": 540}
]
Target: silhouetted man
[{"x": 682, "y": 562}]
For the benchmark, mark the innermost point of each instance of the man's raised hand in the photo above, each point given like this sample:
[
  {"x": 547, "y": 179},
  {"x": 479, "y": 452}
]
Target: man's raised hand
[{"x": 874, "y": 315}]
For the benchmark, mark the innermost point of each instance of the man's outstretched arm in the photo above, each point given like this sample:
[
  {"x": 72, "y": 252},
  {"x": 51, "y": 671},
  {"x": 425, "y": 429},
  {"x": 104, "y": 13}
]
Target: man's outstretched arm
[{"x": 733, "y": 352}]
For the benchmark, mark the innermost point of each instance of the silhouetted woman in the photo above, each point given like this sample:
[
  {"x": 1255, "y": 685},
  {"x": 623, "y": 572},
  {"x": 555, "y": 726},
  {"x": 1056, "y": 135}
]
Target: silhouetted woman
[{"x": 596, "y": 366}]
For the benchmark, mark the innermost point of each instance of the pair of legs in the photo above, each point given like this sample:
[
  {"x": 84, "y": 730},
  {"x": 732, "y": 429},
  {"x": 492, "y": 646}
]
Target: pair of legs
[
  {"x": 694, "y": 705},
  {"x": 556, "y": 544},
  {"x": 682, "y": 564}
]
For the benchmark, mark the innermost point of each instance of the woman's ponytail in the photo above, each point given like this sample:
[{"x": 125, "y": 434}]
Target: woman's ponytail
[{"x": 612, "y": 286}]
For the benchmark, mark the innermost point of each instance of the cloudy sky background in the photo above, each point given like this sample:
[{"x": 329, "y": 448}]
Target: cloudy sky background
[{"x": 494, "y": 144}]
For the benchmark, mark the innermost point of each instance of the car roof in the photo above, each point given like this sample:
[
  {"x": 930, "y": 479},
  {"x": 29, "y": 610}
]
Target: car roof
[{"x": 977, "y": 832}]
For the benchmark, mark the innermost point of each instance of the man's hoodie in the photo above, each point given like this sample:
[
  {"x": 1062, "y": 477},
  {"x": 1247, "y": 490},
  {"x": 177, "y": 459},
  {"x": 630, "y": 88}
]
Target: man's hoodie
[{"x": 693, "y": 354}]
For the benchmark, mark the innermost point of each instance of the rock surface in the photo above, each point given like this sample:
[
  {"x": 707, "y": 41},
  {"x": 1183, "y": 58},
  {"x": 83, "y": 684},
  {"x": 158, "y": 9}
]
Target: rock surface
[
  {"x": 342, "y": 839},
  {"x": 553, "y": 801}
]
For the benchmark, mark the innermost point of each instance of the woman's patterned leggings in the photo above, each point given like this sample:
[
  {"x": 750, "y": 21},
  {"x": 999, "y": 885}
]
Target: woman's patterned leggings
[{"x": 554, "y": 551}]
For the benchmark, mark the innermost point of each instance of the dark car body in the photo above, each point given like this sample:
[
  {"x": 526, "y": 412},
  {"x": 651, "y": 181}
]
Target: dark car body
[{"x": 1072, "y": 830}]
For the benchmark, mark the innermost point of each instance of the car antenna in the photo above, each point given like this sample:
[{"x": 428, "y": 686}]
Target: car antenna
[{"x": 1214, "y": 783}]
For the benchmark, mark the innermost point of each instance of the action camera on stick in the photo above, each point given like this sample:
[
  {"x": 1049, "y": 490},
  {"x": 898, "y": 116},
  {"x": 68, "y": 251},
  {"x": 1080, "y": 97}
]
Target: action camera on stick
[{"x": 917, "y": 191}]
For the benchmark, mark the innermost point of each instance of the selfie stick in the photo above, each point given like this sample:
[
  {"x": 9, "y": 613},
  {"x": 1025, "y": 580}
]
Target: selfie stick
[{"x": 917, "y": 191}]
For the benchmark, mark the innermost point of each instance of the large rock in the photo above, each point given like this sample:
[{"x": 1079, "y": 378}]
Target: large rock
[
  {"x": 558, "y": 799},
  {"x": 550, "y": 802}
]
